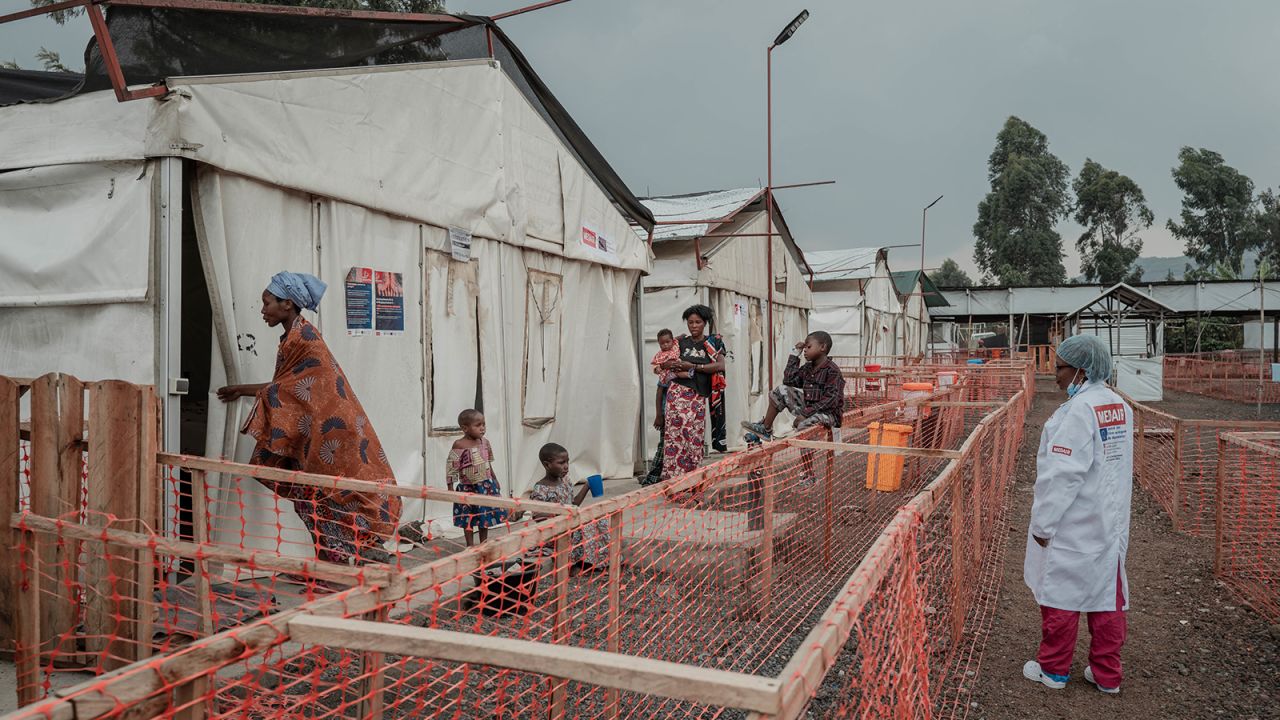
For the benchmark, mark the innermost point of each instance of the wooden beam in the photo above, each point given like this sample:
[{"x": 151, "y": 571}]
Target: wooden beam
[
  {"x": 613, "y": 630},
  {"x": 595, "y": 667},
  {"x": 252, "y": 559},
  {"x": 27, "y": 625},
  {"x": 559, "y": 617},
  {"x": 883, "y": 449},
  {"x": 10, "y": 478},
  {"x": 191, "y": 462}
]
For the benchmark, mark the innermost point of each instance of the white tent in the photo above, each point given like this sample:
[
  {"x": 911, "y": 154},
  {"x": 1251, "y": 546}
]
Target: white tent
[
  {"x": 716, "y": 256},
  {"x": 855, "y": 300},
  {"x": 136, "y": 238}
]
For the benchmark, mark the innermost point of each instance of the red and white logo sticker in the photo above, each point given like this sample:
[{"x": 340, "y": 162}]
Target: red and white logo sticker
[
  {"x": 1062, "y": 450},
  {"x": 1110, "y": 415}
]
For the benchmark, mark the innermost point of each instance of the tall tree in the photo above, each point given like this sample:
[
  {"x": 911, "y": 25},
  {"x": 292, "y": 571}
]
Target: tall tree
[
  {"x": 1217, "y": 209},
  {"x": 1016, "y": 240},
  {"x": 950, "y": 275},
  {"x": 1265, "y": 231},
  {"x": 1113, "y": 210}
]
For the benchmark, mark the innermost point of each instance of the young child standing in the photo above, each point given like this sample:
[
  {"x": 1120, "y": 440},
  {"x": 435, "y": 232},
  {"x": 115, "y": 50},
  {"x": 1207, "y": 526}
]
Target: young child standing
[
  {"x": 469, "y": 469},
  {"x": 590, "y": 544},
  {"x": 813, "y": 393},
  {"x": 667, "y": 350}
]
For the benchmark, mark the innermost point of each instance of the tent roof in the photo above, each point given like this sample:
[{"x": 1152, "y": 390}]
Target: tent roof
[
  {"x": 904, "y": 281},
  {"x": 155, "y": 43},
  {"x": 849, "y": 264},
  {"x": 1138, "y": 302},
  {"x": 702, "y": 210}
]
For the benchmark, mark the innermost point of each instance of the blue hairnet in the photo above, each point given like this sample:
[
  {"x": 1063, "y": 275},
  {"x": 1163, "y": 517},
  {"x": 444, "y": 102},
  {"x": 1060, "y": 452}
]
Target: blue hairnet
[
  {"x": 1088, "y": 353},
  {"x": 304, "y": 290}
]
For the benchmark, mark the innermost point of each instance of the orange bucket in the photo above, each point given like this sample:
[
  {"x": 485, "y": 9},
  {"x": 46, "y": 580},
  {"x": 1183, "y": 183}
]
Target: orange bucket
[{"x": 884, "y": 472}]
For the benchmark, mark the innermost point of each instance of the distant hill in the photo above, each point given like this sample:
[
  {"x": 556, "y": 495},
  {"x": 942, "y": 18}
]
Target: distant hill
[{"x": 1156, "y": 269}]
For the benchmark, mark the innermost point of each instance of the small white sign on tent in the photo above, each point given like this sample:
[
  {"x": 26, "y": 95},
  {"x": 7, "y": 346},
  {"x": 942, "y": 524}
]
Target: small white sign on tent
[{"x": 1141, "y": 378}]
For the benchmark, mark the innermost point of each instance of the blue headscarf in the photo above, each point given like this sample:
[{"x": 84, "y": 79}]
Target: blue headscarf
[
  {"x": 304, "y": 290},
  {"x": 1088, "y": 353}
]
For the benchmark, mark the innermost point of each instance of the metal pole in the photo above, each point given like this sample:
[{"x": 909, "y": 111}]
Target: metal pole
[
  {"x": 768, "y": 199},
  {"x": 1262, "y": 329}
]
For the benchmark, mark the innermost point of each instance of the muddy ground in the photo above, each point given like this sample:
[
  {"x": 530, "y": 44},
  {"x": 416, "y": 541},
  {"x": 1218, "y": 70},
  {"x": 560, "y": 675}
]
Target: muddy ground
[{"x": 1194, "y": 651}]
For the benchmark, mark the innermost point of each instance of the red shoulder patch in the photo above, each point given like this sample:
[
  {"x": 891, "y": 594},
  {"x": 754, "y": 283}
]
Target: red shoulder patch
[{"x": 1058, "y": 449}]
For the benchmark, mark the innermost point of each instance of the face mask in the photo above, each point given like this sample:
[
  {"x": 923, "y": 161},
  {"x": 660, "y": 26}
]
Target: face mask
[{"x": 1075, "y": 386}]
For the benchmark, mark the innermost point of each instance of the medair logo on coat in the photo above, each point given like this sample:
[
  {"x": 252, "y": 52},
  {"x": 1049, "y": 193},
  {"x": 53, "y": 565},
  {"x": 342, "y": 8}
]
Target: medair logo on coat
[
  {"x": 1062, "y": 450},
  {"x": 1110, "y": 415}
]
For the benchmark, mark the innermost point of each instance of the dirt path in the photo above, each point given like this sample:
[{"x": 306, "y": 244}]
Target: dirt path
[{"x": 1193, "y": 651}]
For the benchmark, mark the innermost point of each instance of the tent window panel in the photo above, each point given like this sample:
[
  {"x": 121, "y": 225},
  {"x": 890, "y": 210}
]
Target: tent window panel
[
  {"x": 453, "y": 337},
  {"x": 544, "y": 309}
]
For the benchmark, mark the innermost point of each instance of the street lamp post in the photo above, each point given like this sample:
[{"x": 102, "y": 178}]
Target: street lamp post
[
  {"x": 783, "y": 36},
  {"x": 924, "y": 219}
]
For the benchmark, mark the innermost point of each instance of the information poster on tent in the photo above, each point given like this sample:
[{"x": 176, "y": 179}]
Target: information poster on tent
[
  {"x": 598, "y": 244},
  {"x": 359, "y": 291},
  {"x": 460, "y": 244},
  {"x": 739, "y": 315},
  {"x": 375, "y": 302}
]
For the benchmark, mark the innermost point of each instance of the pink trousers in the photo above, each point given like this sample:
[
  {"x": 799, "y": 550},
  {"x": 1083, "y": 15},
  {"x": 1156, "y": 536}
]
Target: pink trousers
[{"x": 1107, "y": 632}]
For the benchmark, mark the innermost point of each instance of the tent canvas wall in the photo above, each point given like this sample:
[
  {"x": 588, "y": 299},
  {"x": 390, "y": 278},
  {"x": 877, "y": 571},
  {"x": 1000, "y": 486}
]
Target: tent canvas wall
[
  {"x": 731, "y": 280},
  {"x": 113, "y": 212},
  {"x": 856, "y": 301}
]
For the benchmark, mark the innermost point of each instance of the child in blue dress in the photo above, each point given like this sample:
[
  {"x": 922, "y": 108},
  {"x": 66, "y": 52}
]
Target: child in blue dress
[{"x": 470, "y": 470}]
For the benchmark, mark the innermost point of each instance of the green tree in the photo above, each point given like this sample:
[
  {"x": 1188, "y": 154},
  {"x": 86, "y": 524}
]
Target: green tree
[
  {"x": 950, "y": 275},
  {"x": 1016, "y": 240},
  {"x": 1217, "y": 209},
  {"x": 1113, "y": 210},
  {"x": 1265, "y": 231}
]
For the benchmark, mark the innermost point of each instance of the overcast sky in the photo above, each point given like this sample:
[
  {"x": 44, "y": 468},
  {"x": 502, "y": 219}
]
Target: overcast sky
[{"x": 898, "y": 101}]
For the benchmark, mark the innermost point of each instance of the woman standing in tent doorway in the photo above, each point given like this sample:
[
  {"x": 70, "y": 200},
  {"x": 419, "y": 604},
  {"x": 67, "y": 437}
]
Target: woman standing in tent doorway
[
  {"x": 701, "y": 357},
  {"x": 308, "y": 418}
]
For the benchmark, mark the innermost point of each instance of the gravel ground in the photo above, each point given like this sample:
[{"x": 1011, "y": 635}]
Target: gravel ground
[
  {"x": 1189, "y": 405},
  {"x": 1193, "y": 650}
]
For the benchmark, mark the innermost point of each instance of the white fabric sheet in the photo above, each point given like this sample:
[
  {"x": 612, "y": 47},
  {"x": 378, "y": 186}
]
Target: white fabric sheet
[{"x": 75, "y": 234}]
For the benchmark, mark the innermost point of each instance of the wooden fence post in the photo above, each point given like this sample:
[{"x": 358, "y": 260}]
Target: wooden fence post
[
  {"x": 115, "y": 422},
  {"x": 559, "y": 625},
  {"x": 27, "y": 625},
  {"x": 612, "y": 703},
  {"x": 829, "y": 498},
  {"x": 10, "y": 478},
  {"x": 959, "y": 584},
  {"x": 191, "y": 697},
  {"x": 57, "y": 430},
  {"x": 1219, "y": 505},
  {"x": 1175, "y": 502},
  {"x": 769, "y": 491}
]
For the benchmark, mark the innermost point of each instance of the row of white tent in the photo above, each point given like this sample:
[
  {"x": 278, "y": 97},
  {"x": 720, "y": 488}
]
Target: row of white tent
[{"x": 136, "y": 238}]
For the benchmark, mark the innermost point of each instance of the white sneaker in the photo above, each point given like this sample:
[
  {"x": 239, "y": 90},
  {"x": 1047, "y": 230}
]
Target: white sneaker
[
  {"x": 1032, "y": 672},
  {"x": 1088, "y": 675}
]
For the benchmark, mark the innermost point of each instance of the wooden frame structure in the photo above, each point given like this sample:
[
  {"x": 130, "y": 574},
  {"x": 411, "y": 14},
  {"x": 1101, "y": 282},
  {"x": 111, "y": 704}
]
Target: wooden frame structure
[{"x": 332, "y": 621}]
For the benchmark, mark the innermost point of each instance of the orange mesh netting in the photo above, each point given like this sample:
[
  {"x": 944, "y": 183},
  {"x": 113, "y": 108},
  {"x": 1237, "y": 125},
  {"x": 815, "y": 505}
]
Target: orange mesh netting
[
  {"x": 1247, "y": 553},
  {"x": 857, "y": 580}
]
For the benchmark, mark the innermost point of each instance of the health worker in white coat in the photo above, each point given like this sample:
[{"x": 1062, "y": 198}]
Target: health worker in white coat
[{"x": 1079, "y": 533}]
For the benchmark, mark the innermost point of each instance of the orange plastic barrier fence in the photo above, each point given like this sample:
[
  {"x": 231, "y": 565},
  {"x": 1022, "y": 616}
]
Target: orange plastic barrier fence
[
  {"x": 1176, "y": 460},
  {"x": 1240, "y": 377},
  {"x": 1247, "y": 541},
  {"x": 738, "y": 586}
]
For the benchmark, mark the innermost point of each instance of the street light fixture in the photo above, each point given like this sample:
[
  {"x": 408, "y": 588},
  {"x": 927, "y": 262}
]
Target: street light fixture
[
  {"x": 782, "y": 37},
  {"x": 924, "y": 217}
]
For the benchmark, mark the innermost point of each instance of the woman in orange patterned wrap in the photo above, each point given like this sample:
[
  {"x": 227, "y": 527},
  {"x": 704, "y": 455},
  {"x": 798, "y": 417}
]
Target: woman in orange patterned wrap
[{"x": 308, "y": 418}]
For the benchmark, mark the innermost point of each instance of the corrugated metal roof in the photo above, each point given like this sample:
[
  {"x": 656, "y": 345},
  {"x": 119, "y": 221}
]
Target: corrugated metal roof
[
  {"x": 849, "y": 264},
  {"x": 701, "y": 210}
]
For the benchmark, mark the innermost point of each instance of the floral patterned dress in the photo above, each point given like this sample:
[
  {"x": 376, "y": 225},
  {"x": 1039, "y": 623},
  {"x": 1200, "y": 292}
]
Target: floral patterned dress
[
  {"x": 470, "y": 470},
  {"x": 591, "y": 542},
  {"x": 308, "y": 418}
]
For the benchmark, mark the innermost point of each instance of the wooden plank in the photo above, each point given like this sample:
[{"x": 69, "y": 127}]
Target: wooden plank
[
  {"x": 191, "y": 462},
  {"x": 10, "y": 480},
  {"x": 148, "y": 487},
  {"x": 829, "y": 500},
  {"x": 1245, "y": 441},
  {"x": 27, "y": 625},
  {"x": 71, "y": 449},
  {"x": 958, "y": 555},
  {"x": 1218, "y": 505},
  {"x": 768, "y": 493},
  {"x": 125, "y": 540},
  {"x": 1176, "y": 500},
  {"x": 879, "y": 449},
  {"x": 595, "y": 667},
  {"x": 112, "y": 573},
  {"x": 559, "y": 621},
  {"x": 56, "y": 495},
  {"x": 370, "y": 687},
  {"x": 200, "y": 531},
  {"x": 613, "y": 630}
]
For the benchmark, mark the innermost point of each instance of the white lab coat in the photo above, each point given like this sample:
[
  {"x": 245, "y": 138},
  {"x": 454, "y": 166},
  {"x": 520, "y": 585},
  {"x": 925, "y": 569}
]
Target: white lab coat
[{"x": 1084, "y": 484}]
